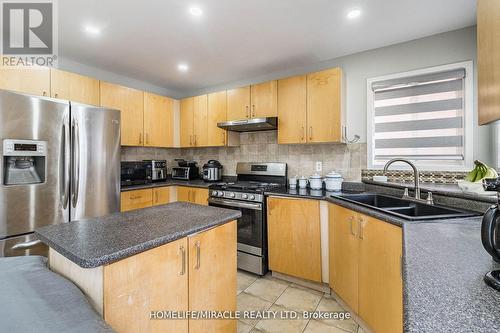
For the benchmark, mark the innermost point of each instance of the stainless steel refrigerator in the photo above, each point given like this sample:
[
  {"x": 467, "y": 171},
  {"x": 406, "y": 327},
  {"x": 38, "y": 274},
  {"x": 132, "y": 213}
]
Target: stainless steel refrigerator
[{"x": 60, "y": 162}]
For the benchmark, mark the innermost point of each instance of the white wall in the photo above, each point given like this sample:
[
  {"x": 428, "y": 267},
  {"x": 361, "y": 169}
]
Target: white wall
[{"x": 449, "y": 47}]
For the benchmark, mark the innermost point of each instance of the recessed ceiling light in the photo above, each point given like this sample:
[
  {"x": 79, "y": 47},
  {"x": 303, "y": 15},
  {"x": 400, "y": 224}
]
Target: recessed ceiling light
[
  {"x": 91, "y": 30},
  {"x": 195, "y": 11},
  {"x": 183, "y": 67},
  {"x": 354, "y": 13}
]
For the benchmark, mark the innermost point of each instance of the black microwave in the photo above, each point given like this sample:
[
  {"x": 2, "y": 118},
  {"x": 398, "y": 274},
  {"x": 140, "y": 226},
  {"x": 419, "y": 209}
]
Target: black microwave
[{"x": 135, "y": 173}]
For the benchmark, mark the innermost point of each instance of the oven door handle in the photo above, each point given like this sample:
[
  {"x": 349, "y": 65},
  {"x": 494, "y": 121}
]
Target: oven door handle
[{"x": 230, "y": 203}]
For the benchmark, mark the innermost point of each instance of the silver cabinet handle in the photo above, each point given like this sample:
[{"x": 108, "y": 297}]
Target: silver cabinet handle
[
  {"x": 361, "y": 228},
  {"x": 198, "y": 255},
  {"x": 351, "y": 223},
  {"x": 253, "y": 110},
  {"x": 76, "y": 162},
  {"x": 246, "y": 108},
  {"x": 26, "y": 245},
  {"x": 183, "y": 254}
]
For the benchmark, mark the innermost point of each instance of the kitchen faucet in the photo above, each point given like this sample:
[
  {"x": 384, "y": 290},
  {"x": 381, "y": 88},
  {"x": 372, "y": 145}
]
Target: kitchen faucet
[{"x": 416, "y": 179}]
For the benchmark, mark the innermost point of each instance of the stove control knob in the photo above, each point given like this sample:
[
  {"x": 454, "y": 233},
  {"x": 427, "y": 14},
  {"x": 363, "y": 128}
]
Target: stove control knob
[
  {"x": 252, "y": 197},
  {"x": 244, "y": 196},
  {"x": 221, "y": 193},
  {"x": 231, "y": 194}
]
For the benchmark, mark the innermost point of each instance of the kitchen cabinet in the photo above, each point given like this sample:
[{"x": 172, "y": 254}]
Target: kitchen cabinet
[
  {"x": 212, "y": 257},
  {"x": 217, "y": 108},
  {"x": 238, "y": 103},
  {"x": 136, "y": 199},
  {"x": 131, "y": 104},
  {"x": 488, "y": 60},
  {"x": 292, "y": 111},
  {"x": 186, "y": 124},
  {"x": 139, "y": 284},
  {"x": 293, "y": 227},
  {"x": 264, "y": 98},
  {"x": 32, "y": 80},
  {"x": 158, "y": 121},
  {"x": 161, "y": 195},
  {"x": 192, "y": 194},
  {"x": 74, "y": 87},
  {"x": 365, "y": 267},
  {"x": 200, "y": 113},
  {"x": 324, "y": 106}
]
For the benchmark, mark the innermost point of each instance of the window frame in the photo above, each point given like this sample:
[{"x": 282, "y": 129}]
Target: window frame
[{"x": 469, "y": 111}]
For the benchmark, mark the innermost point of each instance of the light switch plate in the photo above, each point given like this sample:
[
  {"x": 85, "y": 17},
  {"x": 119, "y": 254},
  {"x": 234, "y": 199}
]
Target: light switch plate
[{"x": 319, "y": 166}]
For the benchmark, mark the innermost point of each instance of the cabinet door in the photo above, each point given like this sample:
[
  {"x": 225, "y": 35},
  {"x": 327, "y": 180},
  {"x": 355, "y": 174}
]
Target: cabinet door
[
  {"x": 186, "y": 130},
  {"x": 154, "y": 280},
  {"x": 488, "y": 62},
  {"x": 292, "y": 110},
  {"x": 74, "y": 87},
  {"x": 158, "y": 121},
  {"x": 200, "y": 121},
  {"x": 199, "y": 196},
  {"x": 324, "y": 112},
  {"x": 137, "y": 199},
  {"x": 131, "y": 104},
  {"x": 238, "y": 103},
  {"x": 161, "y": 196},
  {"x": 264, "y": 98},
  {"x": 344, "y": 253},
  {"x": 212, "y": 277},
  {"x": 184, "y": 194},
  {"x": 294, "y": 240},
  {"x": 217, "y": 107},
  {"x": 380, "y": 281},
  {"x": 28, "y": 80}
]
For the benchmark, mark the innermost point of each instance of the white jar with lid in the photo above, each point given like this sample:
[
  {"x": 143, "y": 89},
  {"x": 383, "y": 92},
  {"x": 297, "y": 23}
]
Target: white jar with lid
[
  {"x": 333, "y": 181},
  {"x": 316, "y": 182}
]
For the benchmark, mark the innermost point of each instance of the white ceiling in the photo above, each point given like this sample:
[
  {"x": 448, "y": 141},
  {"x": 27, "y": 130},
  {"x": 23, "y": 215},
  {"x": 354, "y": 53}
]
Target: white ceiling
[{"x": 240, "y": 39}]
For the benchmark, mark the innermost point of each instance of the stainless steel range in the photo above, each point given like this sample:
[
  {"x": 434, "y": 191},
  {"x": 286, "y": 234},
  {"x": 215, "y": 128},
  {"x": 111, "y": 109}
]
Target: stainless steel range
[{"x": 247, "y": 196}]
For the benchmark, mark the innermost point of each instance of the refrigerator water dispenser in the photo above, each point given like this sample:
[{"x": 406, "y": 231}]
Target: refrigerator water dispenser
[{"x": 24, "y": 162}]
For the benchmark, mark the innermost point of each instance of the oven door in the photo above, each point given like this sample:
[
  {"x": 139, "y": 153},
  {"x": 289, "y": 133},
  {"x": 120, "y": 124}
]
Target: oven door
[{"x": 250, "y": 224}]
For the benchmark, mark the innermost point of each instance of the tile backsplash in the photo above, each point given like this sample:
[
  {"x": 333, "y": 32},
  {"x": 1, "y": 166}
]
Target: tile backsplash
[{"x": 348, "y": 160}]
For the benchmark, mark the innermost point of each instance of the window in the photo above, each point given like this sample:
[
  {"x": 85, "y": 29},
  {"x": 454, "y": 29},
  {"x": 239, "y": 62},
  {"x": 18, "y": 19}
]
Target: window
[{"x": 425, "y": 116}]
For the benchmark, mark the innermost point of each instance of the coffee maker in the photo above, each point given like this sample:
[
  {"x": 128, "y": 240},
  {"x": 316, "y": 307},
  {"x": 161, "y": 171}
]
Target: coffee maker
[
  {"x": 490, "y": 232},
  {"x": 23, "y": 162}
]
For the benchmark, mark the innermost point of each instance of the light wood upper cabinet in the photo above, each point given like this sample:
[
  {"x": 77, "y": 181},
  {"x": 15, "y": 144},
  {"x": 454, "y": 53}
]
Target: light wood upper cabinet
[
  {"x": 324, "y": 106},
  {"x": 136, "y": 199},
  {"x": 212, "y": 277},
  {"x": 131, "y": 104},
  {"x": 380, "y": 280},
  {"x": 238, "y": 103},
  {"x": 28, "y": 80},
  {"x": 161, "y": 196},
  {"x": 344, "y": 254},
  {"x": 488, "y": 60},
  {"x": 154, "y": 280},
  {"x": 292, "y": 114},
  {"x": 187, "y": 118},
  {"x": 264, "y": 98},
  {"x": 217, "y": 108},
  {"x": 294, "y": 240},
  {"x": 200, "y": 113},
  {"x": 158, "y": 121},
  {"x": 74, "y": 87}
]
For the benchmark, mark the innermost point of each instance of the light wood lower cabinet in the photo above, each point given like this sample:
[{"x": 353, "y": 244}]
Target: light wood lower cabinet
[
  {"x": 365, "y": 267},
  {"x": 192, "y": 194},
  {"x": 29, "y": 80},
  {"x": 161, "y": 196},
  {"x": 136, "y": 199},
  {"x": 294, "y": 240}
]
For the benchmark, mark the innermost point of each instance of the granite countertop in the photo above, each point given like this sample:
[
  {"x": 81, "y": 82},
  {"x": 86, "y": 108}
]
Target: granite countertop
[
  {"x": 100, "y": 241},
  {"x": 444, "y": 291},
  {"x": 170, "y": 182}
]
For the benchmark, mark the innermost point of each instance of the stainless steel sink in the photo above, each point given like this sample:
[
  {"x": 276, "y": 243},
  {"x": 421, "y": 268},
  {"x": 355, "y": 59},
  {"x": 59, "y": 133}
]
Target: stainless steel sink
[{"x": 405, "y": 209}]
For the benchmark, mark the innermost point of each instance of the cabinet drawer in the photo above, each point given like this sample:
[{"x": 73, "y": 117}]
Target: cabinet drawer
[{"x": 136, "y": 199}]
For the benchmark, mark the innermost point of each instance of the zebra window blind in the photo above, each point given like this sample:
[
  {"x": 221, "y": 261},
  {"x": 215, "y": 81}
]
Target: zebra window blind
[{"x": 420, "y": 117}]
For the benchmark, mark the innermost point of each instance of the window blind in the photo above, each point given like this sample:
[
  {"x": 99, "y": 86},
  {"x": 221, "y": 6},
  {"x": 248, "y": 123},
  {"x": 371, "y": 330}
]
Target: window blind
[{"x": 420, "y": 117}]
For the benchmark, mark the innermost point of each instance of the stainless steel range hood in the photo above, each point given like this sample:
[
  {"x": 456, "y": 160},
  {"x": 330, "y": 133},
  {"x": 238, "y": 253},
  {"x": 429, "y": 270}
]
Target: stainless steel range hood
[{"x": 250, "y": 125}]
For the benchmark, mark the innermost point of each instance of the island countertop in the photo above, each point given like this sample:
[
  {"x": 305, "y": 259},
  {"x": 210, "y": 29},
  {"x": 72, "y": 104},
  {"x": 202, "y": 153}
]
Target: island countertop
[{"x": 103, "y": 240}]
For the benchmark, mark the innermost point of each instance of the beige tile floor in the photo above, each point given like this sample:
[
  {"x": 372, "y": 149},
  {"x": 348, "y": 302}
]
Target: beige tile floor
[{"x": 268, "y": 293}]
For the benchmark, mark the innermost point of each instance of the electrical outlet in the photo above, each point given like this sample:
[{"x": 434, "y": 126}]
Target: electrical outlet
[{"x": 319, "y": 166}]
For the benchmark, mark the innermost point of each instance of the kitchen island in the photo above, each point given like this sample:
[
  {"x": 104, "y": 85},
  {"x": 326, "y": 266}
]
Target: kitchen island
[{"x": 135, "y": 267}]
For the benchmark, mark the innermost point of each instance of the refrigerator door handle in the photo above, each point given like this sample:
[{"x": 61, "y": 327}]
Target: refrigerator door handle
[
  {"x": 75, "y": 185},
  {"x": 66, "y": 163}
]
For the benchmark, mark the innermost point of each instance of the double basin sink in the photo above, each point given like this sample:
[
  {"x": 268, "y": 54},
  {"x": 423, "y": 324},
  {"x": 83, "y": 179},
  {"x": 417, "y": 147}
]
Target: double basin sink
[{"x": 405, "y": 209}]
